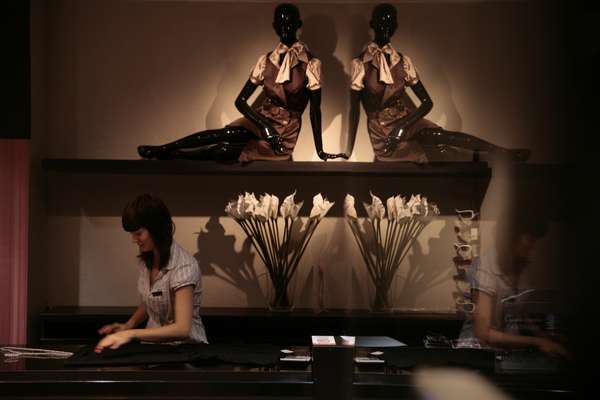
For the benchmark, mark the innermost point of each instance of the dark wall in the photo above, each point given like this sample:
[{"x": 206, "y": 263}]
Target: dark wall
[
  {"x": 14, "y": 69},
  {"x": 583, "y": 93}
]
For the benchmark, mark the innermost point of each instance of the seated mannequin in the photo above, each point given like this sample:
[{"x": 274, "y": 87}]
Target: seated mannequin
[
  {"x": 268, "y": 130},
  {"x": 397, "y": 129}
]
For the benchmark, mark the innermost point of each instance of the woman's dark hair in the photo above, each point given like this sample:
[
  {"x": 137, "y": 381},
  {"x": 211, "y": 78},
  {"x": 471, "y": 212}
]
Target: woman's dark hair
[
  {"x": 520, "y": 221},
  {"x": 148, "y": 211}
]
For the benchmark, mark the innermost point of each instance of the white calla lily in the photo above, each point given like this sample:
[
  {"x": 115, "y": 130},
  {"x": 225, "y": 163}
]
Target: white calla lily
[
  {"x": 261, "y": 213},
  {"x": 265, "y": 201},
  {"x": 425, "y": 206},
  {"x": 231, "y": 209},
  {"x": 349, "y": 208},
  {"x": 273, "y": 207},
  {"x": 285, "y": 209},
  {"x": 288, "y": 208},
  {"x": 250, "y": 203},
  {"x": 401, "y": 207},
  {"x": 320, "y": 207},
  {"x": 375, "y": 210},
  {"x": 413, "y": 204},
  {"x": 392, "y": 212}
]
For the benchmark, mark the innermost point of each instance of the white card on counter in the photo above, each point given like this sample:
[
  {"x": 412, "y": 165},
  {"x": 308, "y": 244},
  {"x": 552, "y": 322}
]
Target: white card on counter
[
  {"x": 368, "y": 360},
  {"x": 295, "y": 358},
  {"x": 323, "y": 341}
]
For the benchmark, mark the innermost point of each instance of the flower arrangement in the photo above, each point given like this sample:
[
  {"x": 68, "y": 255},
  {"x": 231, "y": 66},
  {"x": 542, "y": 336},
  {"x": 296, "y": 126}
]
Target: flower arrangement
[
  {"x": 273, "y": 237},
  {"x": 384, "y": 247}
]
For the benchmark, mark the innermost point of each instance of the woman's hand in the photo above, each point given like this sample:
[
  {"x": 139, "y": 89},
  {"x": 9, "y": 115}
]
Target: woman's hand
[
  {"x": 114, "y": 341},
  {"x": 551, "y": 347},
  {"x": 112, "y": 328}
]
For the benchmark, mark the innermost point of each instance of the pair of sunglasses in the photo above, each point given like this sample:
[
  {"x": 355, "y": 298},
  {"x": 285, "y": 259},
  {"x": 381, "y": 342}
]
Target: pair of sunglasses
[
  {"x": 465, "y": 306},
  {"x": 466, "y": 216},
  {"x": 464, "y": 251}
]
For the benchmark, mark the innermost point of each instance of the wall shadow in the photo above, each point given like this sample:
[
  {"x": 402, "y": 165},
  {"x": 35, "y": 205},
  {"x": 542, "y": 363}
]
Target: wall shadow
[
  {"x": 220, "y": 102},
  {"x": 320, "y": 34},
  {"x": 227, "y": 264},
  {"x": 423, "y": 274},
  {"x": 358, "y": 38},
  {"x": 327, "y": 280}
]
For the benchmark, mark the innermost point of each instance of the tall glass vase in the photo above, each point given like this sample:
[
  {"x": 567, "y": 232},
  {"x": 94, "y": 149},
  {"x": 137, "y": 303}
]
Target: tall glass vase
[
  {"x": 279, "y": 296},
  {"x": 280, "y": 299},
  {"x": 383, "y": 298}
]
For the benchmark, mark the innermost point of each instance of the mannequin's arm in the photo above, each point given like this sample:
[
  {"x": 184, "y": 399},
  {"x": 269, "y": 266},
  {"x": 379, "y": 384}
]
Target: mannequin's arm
[
  {"x": 269, "y": 133},
  {"x": 423, "y": 109},
  {"x": 315, "y": 121},
  {"x": 353, "y": 120}
]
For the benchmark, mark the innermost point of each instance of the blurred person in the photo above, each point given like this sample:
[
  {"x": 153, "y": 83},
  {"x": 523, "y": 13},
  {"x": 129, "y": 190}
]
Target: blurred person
[{"x": 498, "y": 274}]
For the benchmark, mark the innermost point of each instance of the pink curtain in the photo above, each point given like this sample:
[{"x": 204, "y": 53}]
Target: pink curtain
[{"x": 14, "y": 232}]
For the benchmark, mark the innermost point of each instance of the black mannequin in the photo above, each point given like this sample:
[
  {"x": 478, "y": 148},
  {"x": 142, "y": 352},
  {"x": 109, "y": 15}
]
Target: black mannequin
[
  {"x": 227, "y": 143},
  {"x": 434, "y": 139}
]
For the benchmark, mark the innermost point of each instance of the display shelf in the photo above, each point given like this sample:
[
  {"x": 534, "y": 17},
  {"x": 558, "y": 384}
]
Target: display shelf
[
  {"x": 451, "y": 184},
  {"x": 186, "y": 167}
]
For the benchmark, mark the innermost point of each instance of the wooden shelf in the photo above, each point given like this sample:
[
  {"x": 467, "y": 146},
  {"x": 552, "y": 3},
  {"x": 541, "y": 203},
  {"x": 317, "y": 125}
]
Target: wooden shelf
[
  {"x": 186, "y": 167},
  {"x": 450, "y": 184}
]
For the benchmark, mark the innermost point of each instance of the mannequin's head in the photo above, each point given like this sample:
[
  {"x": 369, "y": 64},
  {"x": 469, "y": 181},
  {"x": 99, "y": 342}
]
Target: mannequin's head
[
  {"x": 286, "y": 22},
  {"x": 384, "y": 23}
]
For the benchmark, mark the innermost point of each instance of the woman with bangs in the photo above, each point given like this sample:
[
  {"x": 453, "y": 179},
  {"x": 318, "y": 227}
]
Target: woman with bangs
[{"x": 169, "y": 283}]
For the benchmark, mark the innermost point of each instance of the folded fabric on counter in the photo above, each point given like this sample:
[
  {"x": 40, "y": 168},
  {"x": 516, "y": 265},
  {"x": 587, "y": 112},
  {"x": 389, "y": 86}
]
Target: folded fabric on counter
[
  {"x": 146, "y": 353},
  {"x": 410, "y": 357},
  {"x": 255, "y": 354}
]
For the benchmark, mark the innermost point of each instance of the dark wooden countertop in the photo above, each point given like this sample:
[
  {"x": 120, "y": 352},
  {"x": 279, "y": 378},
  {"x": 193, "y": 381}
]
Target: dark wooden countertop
[{"x": 34, "y": 378}]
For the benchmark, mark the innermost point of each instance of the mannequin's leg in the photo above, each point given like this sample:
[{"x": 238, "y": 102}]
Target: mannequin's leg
[
  {"x": 441, "y": 137},
  {"x": 224, "y": 152},
  {"x": 229, "y": 134}
]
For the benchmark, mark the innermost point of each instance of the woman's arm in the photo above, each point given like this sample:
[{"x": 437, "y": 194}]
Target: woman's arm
[
  {"x": 423, "y": 109},
  {"x": 482, "y": 324},
  {"x": 269, "y": 133},
  {"x": 482, "y": 321},
  {"x": 136, "y": 318},
  {"x": 139, "y": 316},
  {"x": 178, "y": 330},
  {"x": 315, "y": 122}
]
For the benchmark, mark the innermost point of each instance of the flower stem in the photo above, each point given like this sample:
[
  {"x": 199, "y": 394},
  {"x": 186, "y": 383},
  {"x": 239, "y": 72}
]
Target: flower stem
[
  {"x": 362, "y": 245},
  {"x": 300, "y": 249}
]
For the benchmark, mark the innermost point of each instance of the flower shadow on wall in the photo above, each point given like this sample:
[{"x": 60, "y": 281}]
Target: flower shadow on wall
[
  {"x": 325, "y": 286},
  {"x": 217, "y": 257},
  {"x": 384, "y": 241},
  {"x": 423, "y": 275}
]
